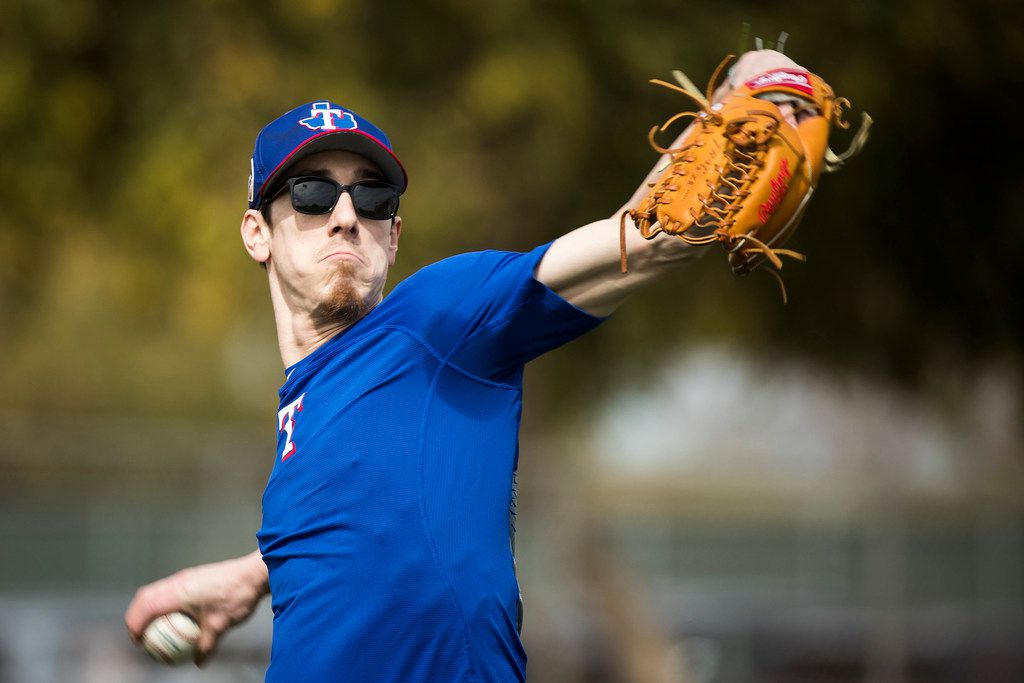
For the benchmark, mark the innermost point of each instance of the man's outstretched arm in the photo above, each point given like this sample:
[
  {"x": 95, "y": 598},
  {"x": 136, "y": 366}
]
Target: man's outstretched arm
[
  {"x": 218, "y": 595},
  {"x": 583, "y": 267}
]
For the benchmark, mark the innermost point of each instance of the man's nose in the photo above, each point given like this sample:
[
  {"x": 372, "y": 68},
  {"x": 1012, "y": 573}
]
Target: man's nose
[{"x": 343, "y": 217}]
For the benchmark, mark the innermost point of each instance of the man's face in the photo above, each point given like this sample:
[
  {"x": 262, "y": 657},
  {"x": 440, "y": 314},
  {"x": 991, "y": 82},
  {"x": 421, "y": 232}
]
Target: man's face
[{"x": 331, "y": 264}]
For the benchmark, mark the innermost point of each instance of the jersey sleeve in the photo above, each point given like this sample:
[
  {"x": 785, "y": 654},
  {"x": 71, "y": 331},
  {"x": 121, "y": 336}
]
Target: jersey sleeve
[{"x": 486, "y": 313}]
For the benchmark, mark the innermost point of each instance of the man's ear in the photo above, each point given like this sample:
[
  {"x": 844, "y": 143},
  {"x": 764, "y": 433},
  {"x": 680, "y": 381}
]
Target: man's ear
[
  {"x": 256, "y": 236},
  {"x": 396, "y": 232}
]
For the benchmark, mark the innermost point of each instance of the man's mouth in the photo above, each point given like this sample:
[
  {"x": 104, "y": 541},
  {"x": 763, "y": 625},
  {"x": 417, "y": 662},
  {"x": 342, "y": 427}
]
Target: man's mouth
[{"x": 341, "y": 256}]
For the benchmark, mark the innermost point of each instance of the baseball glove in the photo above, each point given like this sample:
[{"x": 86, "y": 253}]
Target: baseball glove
[{"x": 745, "y": 172}]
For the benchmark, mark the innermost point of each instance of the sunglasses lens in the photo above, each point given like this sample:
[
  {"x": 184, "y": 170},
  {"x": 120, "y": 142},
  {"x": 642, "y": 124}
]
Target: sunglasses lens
[
  {"x": 314, "y": 196},
  {"x": 374, "y": 200}
]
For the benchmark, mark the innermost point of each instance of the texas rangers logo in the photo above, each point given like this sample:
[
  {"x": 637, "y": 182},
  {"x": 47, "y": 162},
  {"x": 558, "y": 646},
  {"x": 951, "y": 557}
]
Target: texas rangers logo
[
  {"x": 323, "y": 116},
  {"x": 286, "y": 424}
]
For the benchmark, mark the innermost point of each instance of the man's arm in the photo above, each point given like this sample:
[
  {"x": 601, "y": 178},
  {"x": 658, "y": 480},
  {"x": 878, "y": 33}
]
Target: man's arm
[
  {"x": 218, "y": 595},
  {"x": 583, "y": 266}
]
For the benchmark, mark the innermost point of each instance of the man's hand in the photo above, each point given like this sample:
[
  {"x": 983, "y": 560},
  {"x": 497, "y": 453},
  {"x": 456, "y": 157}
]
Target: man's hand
[{"x": 218, "y": 596}]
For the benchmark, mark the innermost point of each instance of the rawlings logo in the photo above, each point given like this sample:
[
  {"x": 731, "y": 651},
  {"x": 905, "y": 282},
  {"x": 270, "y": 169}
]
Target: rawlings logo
[
  {"x": 798, "y": 80},
  {"x": 779, "y": 185},
  {"x": 325, "y": 117}
]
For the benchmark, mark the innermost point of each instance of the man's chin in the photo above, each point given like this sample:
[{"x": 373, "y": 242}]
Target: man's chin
[{"x": 343, "y": 303}]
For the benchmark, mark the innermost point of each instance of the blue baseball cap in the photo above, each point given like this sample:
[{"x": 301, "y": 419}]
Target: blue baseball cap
[{"x": 317, "y": 127}]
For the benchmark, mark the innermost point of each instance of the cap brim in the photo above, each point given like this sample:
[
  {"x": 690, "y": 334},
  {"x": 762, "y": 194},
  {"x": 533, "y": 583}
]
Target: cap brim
[{"x": 354, "y": 141}]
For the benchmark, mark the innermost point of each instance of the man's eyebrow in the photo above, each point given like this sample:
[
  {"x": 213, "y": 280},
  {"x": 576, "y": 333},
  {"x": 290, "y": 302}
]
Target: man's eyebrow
[
  {"x": 321, "y": 172},
  {"x": 368, "y": 172},
  {"x": 361, "y": 173}
]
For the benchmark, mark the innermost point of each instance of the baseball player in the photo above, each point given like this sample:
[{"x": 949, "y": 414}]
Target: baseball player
[{"x": 385, "y": 534}]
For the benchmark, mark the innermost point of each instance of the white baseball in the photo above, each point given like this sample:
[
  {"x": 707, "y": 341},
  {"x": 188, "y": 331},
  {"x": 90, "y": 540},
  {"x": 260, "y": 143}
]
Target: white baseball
[{"x": 171, "y": 638}]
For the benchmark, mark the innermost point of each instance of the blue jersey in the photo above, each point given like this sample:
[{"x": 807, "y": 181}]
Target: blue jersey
[{"x": 386, "y": 516}]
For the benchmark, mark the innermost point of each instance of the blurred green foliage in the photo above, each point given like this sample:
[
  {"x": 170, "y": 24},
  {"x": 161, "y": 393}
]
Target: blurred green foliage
[{"x": 126, "y": 130}]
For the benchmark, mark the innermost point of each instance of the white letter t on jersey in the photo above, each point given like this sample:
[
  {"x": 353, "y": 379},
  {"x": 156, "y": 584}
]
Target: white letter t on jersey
[{"x": 286, "y": 424}]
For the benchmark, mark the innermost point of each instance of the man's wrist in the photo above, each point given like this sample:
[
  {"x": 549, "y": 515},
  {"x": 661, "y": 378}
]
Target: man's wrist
[{"x": 254, "y": 570}]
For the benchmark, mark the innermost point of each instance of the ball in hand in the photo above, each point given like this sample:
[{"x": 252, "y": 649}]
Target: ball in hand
[{"x": 171, "y": 638}]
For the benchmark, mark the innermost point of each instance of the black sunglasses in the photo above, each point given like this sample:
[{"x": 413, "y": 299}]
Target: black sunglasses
[{"x": 316, "y": 195}]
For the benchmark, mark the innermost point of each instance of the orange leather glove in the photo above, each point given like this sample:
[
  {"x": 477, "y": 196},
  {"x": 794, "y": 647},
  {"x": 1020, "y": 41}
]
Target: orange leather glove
[{"x": 745, "y": 171}]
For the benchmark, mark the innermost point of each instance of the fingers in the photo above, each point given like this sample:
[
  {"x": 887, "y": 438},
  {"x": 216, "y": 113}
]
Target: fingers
[
  {"x": 172, "y": 595},
  {"x": 212, "y": 627},
  {"x": 756, "y": 62},
  {"x": 149, "y": 602},
  {"x": 788, "y": 113}
]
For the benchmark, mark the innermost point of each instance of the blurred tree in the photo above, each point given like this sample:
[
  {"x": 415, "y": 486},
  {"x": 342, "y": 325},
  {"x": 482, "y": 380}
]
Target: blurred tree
[{"x": 126, "y": 130}]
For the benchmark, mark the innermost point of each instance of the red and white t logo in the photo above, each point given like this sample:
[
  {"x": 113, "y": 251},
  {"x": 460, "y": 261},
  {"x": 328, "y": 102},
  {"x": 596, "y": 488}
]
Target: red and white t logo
[{"x": 286, "y": 424}]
